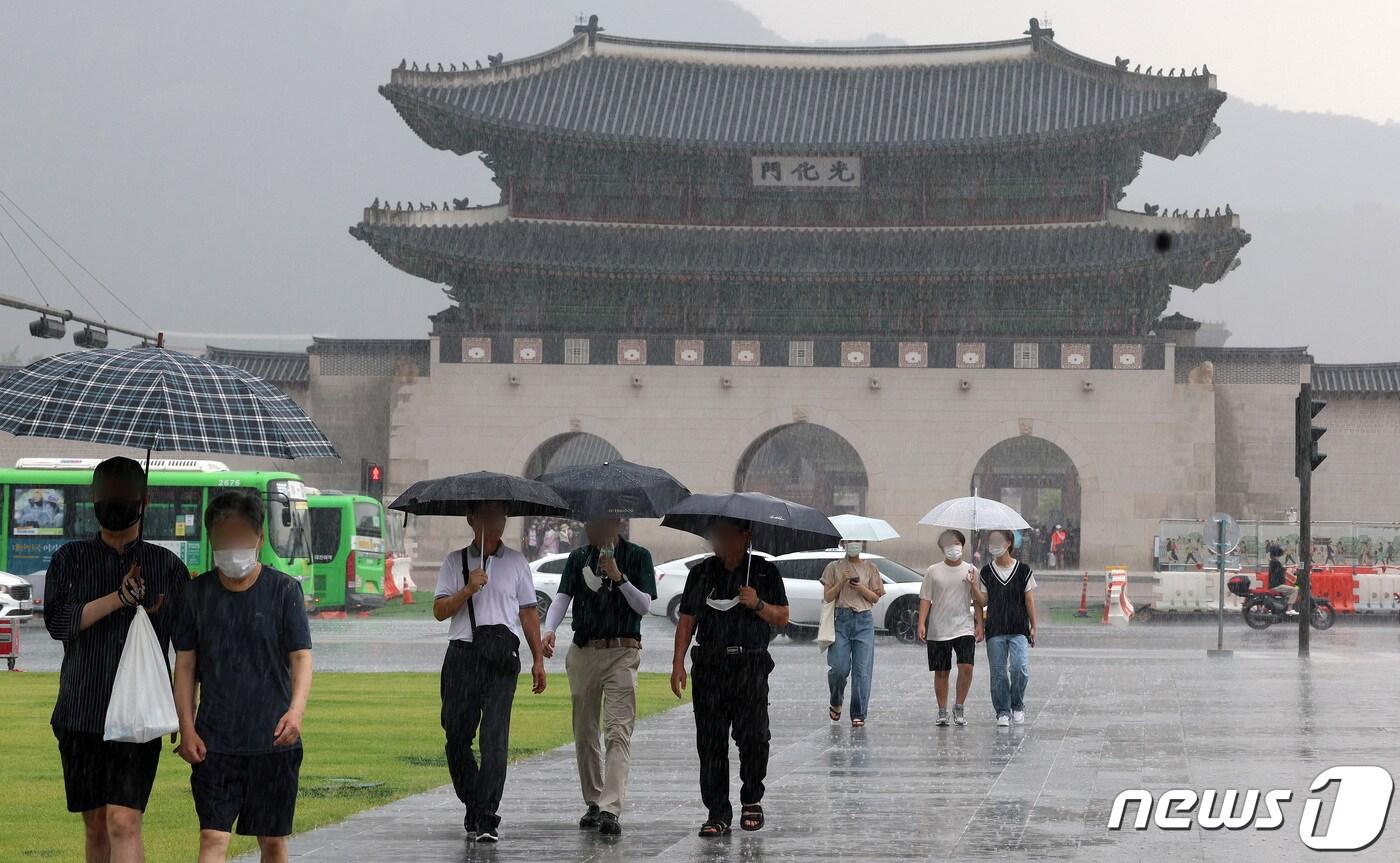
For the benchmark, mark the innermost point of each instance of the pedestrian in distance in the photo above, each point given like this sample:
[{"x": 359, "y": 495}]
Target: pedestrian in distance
[
  {"x": 610, "y": 584},
  {"x": 488, "y": 593},
  {"x": 91, "y": 592},
  {"x": 950, "y": 621},
  {"x": 732, "y": 604},
  {"x": 855, "y": 586},
  {"x": 243, "y": 654},
  {"x": 1009, "y": 625}
]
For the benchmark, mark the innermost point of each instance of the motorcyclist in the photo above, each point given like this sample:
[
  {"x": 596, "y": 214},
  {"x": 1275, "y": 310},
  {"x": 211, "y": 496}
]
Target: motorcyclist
[{"x": 1279, "y": 580}]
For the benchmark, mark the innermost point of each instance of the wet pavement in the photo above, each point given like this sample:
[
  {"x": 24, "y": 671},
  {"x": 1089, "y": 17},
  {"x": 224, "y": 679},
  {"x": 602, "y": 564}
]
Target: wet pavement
[{"x": 1108, "y": 709}]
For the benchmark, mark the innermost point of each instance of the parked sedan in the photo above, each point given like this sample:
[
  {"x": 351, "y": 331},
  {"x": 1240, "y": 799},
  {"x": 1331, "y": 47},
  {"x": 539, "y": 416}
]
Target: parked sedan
[
  {"x": 897, "y": 612},
  {"x": 670, "y": 583},
  {"x": 16, "y": 597},
  {"x": 547, "y": 572}
]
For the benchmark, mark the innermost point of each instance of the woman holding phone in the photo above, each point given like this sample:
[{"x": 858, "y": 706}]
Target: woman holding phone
[
  {"x": 1009, "y": 624},
  {"x": 855, "y": 586}
]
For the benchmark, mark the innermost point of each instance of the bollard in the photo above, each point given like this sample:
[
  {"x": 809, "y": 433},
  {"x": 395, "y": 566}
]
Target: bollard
[{"x": 1084, "y": 597}]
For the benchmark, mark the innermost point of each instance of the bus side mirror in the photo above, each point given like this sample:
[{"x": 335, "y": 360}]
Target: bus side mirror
[{"x": 286, "y": 516}]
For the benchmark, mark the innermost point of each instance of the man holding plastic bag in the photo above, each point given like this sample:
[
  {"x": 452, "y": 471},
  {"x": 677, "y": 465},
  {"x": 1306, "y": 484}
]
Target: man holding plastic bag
[
  {"x": 91, "y": 598},
  {"x": 243, "y": 641}
]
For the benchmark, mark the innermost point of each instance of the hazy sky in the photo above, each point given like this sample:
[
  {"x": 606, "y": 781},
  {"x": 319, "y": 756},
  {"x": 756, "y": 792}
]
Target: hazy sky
[
  {"x": 1338, "y": 57},
  {"x": 206, "y": 159}
]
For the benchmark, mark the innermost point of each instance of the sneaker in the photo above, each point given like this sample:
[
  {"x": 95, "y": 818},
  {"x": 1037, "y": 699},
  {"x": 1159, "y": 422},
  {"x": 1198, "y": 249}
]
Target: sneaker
[
  {"x": 470, "y": 827},
  {"x": 589, "y": 821},
  {"x": 1003, "y": 720},
  {"x": 1018, "y": 717},
  {"x": 942, "y": 717},
  {"x": 958, "y": 717},
  {"x": 1292, "y": 612},
  {"x": 488, "y": 837},
  {"x": 608, "y": 824}
]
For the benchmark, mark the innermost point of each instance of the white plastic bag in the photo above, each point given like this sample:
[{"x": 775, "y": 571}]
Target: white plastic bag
[
  {"x": 142, "y": 706},
  {"x": 826, "y": 632}
]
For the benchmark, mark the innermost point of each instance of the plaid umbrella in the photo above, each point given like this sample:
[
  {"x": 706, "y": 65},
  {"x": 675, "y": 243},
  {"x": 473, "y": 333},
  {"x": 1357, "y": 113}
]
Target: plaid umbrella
[{"x": 156, "y": 399}]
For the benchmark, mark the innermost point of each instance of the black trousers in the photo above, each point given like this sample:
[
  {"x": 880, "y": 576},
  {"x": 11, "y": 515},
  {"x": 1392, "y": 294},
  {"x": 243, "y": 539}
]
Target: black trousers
[
  {"x": 476, "y": 700},
  {"x": 730, "y": 697}
]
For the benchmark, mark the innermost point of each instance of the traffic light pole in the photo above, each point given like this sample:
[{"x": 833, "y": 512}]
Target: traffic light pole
[{"x": 1305, "y": 443}]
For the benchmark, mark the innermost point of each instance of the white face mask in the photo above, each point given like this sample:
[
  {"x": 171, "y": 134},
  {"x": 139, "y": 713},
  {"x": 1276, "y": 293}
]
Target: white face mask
[
  {"x": 592, "y": 579},
  {"x": 853, "y": 549},
  {"x": 953, "y": 552},
  {"x": 996, "y": 550},
  {"x": 236, "y": 563},
  {"x": 722, "y": 604}
]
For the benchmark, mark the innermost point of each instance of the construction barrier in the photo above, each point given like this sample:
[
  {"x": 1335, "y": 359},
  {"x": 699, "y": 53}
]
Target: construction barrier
[
  {"x": 1378, "y": 591},
  {"x": 1117, "y": 610},
  {"x": 1192, "y": 591}
]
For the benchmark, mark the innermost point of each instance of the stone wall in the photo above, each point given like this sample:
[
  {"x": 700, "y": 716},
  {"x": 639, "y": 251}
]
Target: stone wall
[
  {"x": 1143, "y": 444},
  {"x": 1360, "y": 480}
]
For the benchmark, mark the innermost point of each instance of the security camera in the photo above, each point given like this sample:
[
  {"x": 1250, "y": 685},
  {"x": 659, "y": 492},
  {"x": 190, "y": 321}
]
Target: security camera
[
  {"x": 514, "y": 379},
  {"x": 964, "y": 384},
  {"x": 636, "y": 380},
  {"x": 874, "y": 383},
  {"x": 1088, "y": 386},
  {"x": 726, "y": 381}
]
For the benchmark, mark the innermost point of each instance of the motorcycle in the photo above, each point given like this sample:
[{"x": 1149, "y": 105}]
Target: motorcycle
[{"x": 1264, "y": 607}]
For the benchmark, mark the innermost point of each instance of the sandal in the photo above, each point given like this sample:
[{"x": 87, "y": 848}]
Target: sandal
[
  {"x": 857, "y": 723},
  {"x": 711, "y": 829},
  {"x": 834, "y": 712},
  {"x": 751, "y": 817}
]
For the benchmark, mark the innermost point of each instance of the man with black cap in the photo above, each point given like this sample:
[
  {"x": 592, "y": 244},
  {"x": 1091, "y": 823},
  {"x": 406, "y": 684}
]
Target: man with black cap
[{"x": 91, "y": 592}]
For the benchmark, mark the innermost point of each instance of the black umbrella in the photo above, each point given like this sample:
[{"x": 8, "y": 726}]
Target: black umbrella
[
  {"x": 453, "y": 495},
  {"x": 779, "y": 526},
  {"x": 616, "y": 489}
]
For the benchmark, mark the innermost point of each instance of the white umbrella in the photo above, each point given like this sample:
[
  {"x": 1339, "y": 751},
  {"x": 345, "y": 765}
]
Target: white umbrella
[
  {"x": 975, "y": 513},
  {"x": 863, "y": 528}
]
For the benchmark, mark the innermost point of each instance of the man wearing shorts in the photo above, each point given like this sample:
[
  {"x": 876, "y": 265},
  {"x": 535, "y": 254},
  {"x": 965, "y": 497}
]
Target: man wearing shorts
[{"x": 948, "y": 624}]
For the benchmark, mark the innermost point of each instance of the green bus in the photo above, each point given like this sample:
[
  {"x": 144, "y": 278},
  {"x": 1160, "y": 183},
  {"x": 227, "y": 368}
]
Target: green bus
[
  {"x": 48, "y": 502},
  {"x": 349, "y": 543}
]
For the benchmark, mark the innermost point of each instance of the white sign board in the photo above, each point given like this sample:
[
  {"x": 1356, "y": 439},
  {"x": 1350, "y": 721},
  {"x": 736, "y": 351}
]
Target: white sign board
[{"x": 807, "y": 172}]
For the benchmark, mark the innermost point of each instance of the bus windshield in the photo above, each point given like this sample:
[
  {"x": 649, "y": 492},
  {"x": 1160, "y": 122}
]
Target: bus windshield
[{"x": 288, "y": 520}]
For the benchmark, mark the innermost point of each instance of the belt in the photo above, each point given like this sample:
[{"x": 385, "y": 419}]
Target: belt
[
  {"x": 603, "y": 643},
  {"x": 729, "y": 649}
]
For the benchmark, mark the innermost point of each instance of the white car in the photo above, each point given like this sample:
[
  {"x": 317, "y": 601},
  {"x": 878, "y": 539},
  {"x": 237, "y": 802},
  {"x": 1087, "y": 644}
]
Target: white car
[
  {"x": 897, "y": 612},
  {"x": 16, "y": 598},
  {"x": 670, "y": 583},
  {"x": 547, "y": 572}
]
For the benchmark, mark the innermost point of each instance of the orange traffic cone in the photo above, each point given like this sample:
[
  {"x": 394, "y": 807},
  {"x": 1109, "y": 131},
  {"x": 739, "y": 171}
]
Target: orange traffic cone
[{"x": 407, "y": 596}]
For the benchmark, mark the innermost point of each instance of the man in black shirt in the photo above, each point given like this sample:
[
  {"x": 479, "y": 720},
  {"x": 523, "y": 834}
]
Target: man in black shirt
[
  {"x": 243, "y": 640},
  {"x": 90, "y": 596},
  {"x": 1278, "y": 581},
  {"x": 732, "y": 603},
  {"x": 610, "y": 582}
]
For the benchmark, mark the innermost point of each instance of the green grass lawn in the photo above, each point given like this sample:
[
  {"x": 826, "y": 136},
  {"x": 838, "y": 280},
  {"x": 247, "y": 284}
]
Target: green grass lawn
[{"x": 370, "y": 739}]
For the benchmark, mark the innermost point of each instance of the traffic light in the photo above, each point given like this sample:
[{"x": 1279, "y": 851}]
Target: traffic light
[
  {"x": 1306, "y": 435},
  {"x": 374, "y": 480}
]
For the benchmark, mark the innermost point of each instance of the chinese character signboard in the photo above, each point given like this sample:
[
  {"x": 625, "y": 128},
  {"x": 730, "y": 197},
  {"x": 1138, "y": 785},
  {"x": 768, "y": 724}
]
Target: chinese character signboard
[{"x": 807, "y": 172}]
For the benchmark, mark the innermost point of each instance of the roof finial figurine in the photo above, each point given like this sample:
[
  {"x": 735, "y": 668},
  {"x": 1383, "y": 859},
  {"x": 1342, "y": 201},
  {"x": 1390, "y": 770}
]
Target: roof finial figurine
[
  {"x": 410, "y": 206},
  {"x": 1194, "y": 72},
  {"x": 591, "y": 28},
  {"x": 494, "y": 60},
  {"x": 1137, "y": 68},
  {"x": 1150, "y": 209},
  {"x": 398, "y": 206},
  {"x": 1217, "y": 211},
  {"x": 1197, "y": 214},
  {"x": 415, "y": 66},
  {"x": 1121, "y": 63},
  {"x": 452, "y": 67},
  {"x": 403, "y": 64},
  {"x": 1228, "y": 211},
  {"x": 1205, "y": 70},
  {"x": 1037, "y": 32},
  {"x": 478, "y": 64},
  {"x": 1149, "y": 71},
  {"x": 375, "y": 204},
  {"x": 460, "y": 203},
  {"x": 439, "y": 67}
]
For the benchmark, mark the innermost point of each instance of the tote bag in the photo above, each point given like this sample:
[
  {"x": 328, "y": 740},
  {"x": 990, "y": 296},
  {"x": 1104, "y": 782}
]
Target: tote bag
[{"x": 142, "y": 706}]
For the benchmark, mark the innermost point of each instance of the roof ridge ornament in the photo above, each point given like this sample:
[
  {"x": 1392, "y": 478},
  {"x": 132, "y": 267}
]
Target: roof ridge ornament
[
  {"x": 1037, "y": 32},
  {"x": 591, "y": 28}
]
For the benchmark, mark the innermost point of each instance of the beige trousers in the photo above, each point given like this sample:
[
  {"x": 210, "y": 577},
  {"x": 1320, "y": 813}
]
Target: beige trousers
[{"x": 603, "y": 687}]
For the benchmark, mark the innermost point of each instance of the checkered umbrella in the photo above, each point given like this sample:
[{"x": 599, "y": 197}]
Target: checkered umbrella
[{"x": 152, "y": 398}]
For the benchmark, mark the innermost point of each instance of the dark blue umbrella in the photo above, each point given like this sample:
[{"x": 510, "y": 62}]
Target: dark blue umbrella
[
  {"x": 616, "y": 489},
  {"x": 152, "y": 398},
  {"x": 779, "y": 526},
  {"x": 455, "y": 495}
]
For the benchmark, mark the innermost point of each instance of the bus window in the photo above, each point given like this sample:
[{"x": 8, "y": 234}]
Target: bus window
[
  {"x": 288, "y": 520},
  {"x": 325, "y": 534},
  {"x": 367, "y": 519},
  {"x": 394, "y": 523},
  {"x": 173, "y": 514}
]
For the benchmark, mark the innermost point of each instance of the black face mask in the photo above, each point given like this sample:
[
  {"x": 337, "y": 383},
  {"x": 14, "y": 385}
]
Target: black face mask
[{"x": 117, "y": 515}]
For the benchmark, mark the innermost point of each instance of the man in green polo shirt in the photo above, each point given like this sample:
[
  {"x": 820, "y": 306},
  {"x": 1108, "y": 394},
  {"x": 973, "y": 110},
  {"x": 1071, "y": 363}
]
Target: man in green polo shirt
[{"x": 610, "y": 583}]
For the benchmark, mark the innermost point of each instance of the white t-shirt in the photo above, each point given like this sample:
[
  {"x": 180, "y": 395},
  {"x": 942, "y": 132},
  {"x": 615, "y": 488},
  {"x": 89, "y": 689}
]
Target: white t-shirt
[
  {"x": 949, "y": 595},
  {"x": 509, "y": 588}
]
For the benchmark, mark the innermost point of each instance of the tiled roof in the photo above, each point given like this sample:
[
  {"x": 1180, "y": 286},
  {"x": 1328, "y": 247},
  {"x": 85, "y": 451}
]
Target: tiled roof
[
  {"x": 276, "y": 367},
  {"x": 1199, "y": 250},
  {"x": 643, "y": 92},
  {"x": 1361, "y": 379}
]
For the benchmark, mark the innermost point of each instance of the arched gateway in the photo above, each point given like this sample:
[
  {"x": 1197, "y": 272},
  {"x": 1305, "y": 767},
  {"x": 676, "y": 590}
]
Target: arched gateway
[{"x": 1039, "y": 480}]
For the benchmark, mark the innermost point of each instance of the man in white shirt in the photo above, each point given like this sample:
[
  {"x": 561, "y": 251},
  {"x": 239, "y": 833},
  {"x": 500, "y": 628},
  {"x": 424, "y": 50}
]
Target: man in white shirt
[
  {"x": 491, "y": 603},
  {"x": 948, "y": 623}
]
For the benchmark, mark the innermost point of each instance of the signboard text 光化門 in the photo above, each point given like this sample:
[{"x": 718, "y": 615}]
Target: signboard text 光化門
[{"x": 807, "y": 172}]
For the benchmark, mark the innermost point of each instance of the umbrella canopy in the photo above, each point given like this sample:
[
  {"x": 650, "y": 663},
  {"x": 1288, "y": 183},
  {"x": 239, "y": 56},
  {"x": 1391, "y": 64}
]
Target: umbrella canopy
[
  {"x": 616, "y": 489},
  {"x": 453, "y": 495},
  {"x": 779, "y": 526},
  {"x": 156, "y": 399},
  {"x": 864, "y": 528},
  {"x": 975, "y": 513}
]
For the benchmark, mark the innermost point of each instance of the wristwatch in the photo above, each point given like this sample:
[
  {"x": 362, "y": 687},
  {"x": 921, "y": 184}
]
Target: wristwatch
[{"x": 759, "y": 607}]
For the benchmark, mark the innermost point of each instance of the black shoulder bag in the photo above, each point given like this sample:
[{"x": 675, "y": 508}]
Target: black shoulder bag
[{"x": 495, "y": 645}]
